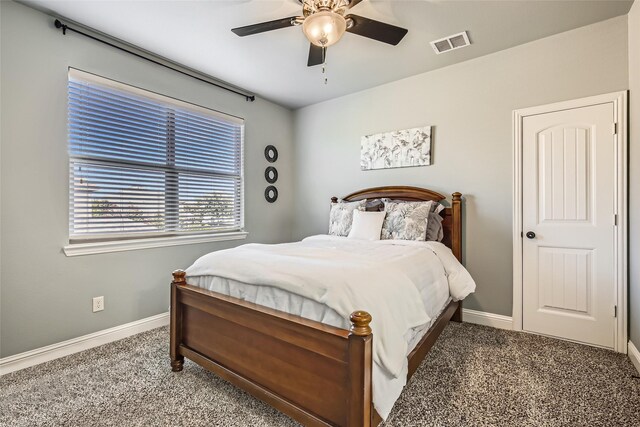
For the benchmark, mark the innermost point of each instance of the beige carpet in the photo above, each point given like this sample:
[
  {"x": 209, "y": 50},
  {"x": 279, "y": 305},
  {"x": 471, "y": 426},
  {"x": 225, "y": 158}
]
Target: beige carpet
[{"x": 474, "y": 376}]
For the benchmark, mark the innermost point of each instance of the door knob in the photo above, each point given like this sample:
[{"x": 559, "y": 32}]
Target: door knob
[{"x": 530, "y": 234}]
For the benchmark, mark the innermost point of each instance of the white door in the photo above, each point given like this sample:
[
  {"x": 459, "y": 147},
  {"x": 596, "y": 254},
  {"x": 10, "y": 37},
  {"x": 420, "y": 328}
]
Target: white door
[{"x": 568, "y": 205}]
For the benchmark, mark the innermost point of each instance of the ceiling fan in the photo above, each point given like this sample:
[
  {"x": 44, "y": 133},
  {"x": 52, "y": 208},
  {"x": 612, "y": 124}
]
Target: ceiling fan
[{"x": 324, "y": 22}]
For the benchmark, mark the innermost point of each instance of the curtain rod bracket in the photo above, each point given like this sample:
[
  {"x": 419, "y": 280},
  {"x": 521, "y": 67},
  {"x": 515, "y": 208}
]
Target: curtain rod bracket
[
  {"x": 59, "y": 24},
  {"x": 249, "y": 98}
]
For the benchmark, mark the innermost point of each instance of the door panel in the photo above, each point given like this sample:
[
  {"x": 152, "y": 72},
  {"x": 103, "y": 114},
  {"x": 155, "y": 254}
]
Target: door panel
[
  {"x": 568, "y": 201},
  {"x": 564, "y": 183},
  {"x": 565, "y": 278}
]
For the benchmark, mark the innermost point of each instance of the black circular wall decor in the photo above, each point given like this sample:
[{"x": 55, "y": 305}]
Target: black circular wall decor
[
  {"x": 271, "y": 194},
  {"x": 271, "y": 174},
  {"x": 270, "y": 153}
]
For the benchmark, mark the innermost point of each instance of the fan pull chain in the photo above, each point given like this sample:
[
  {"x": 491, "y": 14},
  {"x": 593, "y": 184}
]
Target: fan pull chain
[
  {"x": 324, "y": 65},
  {"x": 324, "y": 72}
]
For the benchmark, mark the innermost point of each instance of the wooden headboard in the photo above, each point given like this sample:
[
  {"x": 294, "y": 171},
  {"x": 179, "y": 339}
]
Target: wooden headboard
[{"x": 452, "y": 222}]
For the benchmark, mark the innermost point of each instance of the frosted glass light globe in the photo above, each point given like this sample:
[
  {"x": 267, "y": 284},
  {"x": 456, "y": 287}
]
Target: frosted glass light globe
[{"x": 324, "y": 28}]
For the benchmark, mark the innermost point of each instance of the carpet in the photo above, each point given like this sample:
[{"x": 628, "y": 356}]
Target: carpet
[{"x": 474, "y": 376}]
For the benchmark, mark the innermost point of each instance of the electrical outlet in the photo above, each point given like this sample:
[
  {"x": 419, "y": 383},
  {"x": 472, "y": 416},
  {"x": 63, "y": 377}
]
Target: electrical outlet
[{"x": 98, "y": 304}]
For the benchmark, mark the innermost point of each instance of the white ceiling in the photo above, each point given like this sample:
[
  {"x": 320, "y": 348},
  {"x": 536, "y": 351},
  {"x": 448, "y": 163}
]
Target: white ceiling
[{"x": 273, "y": 65}]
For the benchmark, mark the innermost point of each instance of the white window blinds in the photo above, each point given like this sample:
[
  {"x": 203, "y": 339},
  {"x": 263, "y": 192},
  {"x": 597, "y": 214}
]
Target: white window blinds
[{"x": 144, "y": 165}]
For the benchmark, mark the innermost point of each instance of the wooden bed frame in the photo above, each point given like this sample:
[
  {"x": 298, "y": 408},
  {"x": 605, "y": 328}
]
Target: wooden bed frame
[{"x": 317, "y": 374}]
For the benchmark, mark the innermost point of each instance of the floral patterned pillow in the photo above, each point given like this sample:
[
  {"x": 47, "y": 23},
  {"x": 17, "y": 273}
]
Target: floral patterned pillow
[
  {"x": 341, "y": 217},
  {"x": 406, "y": 220}
]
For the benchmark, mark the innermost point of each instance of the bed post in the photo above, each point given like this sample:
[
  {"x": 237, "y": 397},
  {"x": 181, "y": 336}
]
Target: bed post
[
  {"x": 456, "y": 241},
  {"x": 175, "y": 332},
  {"x": 456, "y": 229},
  {"x": 360, "y": 365},
  {"x": 457, "y": 315}
]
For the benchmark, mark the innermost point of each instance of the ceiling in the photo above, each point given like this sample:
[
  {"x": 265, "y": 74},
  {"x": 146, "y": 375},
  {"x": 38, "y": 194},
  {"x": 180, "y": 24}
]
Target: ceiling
[{"x": 273, "y": 65}]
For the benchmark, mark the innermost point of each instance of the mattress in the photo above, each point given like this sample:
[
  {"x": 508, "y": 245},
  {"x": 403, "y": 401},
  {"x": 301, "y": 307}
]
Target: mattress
[{"x": 435, "y": 297}]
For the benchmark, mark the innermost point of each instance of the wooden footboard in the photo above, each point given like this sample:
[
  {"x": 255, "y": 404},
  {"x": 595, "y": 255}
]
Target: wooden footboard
[{"x": 317, "y": 374}]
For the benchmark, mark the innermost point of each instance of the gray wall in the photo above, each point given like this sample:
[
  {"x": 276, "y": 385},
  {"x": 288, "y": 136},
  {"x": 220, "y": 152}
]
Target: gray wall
[
  {"x": 634, "y": 173},
  {"x": 46, "y": 296},
  {"x": 470, "y": 106}
]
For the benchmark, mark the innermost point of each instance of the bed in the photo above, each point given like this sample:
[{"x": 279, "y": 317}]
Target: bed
[{"x": 320, "y": 375}]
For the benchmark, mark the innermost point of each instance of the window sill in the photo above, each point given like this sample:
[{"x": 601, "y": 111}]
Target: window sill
[{"x": 78, "y": 249}]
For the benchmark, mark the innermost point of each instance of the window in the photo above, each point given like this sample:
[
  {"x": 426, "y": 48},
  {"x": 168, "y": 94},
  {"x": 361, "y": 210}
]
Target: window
[{"x": 144, "y": 165}]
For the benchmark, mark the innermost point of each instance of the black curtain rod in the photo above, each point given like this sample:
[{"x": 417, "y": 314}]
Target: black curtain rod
[{"x": 66, "y": 28}]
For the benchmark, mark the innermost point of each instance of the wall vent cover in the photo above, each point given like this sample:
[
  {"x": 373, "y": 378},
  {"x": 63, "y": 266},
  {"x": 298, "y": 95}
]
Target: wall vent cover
[{"x": 453, "y": 42}]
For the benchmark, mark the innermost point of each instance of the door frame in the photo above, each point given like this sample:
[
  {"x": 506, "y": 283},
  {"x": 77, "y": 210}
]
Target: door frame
[{"x": 619, "y": 100}]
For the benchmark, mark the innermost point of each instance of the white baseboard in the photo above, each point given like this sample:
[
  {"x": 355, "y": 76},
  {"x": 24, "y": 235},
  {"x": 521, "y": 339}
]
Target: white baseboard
[
  {"x": 85, "y": 342},
  {"x": 634, "y": 355},
  {"x": 487, "y": 319}
]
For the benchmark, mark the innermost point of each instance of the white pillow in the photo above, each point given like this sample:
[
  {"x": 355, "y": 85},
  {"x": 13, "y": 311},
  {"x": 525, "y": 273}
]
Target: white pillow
[{"x": 366, "y": 225}]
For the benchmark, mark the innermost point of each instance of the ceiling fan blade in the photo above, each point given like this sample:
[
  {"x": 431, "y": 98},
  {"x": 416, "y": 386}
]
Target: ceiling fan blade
[
  {"x": 376, "y": 30},
  {"x": 353, "y": 3},
  {"x": 264, "y": 26},
  {"x": 317, "y": 55}
]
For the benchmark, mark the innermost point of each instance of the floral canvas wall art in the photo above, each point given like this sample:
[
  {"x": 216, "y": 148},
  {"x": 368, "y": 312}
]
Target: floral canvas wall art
[{"x": 397, "y": 149}]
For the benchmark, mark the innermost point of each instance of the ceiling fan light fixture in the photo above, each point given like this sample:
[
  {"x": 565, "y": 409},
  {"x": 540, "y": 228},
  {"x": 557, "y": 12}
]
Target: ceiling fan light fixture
[{"x": 324, "y": 28}]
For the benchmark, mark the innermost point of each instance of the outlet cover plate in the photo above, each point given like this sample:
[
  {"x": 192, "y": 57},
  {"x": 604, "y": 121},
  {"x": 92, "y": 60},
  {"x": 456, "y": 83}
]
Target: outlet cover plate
[{"x": 98, "y": 304}]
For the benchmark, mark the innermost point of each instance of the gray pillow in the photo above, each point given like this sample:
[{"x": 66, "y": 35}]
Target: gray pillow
[
  {"x": 434, "y": 227},
  {"x": 341, "y": 217},
  {"x": 406, "y": 220},
  {"x": 374, "y": 205}
]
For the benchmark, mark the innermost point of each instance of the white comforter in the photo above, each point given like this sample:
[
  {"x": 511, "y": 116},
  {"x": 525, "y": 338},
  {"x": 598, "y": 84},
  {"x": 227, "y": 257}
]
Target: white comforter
[{"x": 384, "y": 278}]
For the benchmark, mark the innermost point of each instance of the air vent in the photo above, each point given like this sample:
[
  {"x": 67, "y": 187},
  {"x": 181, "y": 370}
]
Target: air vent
[{"x": 453, "y": 42}]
